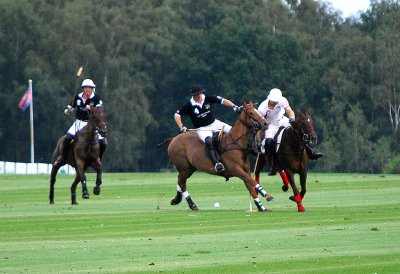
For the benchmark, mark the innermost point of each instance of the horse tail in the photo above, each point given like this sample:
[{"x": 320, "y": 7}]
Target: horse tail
[{"x": 165, "y": 142}]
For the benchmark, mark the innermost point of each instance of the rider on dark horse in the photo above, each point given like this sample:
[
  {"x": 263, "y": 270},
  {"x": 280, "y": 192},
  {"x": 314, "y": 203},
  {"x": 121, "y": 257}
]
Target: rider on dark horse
[
  {"x": 199, "y": 109},
  {"x": 274, "y": 108},
  {"x": 82, "y": 102}
]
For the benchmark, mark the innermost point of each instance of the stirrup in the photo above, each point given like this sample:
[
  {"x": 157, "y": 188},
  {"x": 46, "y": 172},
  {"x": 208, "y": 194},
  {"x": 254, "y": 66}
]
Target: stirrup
[{"x": 219, "y": 167}]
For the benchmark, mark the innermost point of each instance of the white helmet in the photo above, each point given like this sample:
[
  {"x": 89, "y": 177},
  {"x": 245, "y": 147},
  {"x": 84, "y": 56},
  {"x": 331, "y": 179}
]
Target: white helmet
[
  {"x": 275, "y": 95},
  {"x": 88, "y": 83}
]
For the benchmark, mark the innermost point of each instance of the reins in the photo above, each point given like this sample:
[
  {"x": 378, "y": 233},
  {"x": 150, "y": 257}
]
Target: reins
[
  {"x": 235, "y": 141},
  {"x": 89, "y": 132},
  {"x": 301, "y": 137}
]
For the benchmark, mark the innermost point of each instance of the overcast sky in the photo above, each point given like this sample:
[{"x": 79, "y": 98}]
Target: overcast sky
[{"x": 349, "y": 7}]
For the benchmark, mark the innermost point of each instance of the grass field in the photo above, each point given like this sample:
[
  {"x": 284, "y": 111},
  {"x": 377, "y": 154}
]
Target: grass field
[{"x": 351, "y": 225}]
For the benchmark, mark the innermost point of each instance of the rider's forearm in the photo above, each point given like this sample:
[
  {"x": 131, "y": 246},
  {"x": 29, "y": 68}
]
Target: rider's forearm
[
  {"x": 290, "y": 112},
  {"x": 228, "y": 103},
  {"x": 178, "y": 120}
]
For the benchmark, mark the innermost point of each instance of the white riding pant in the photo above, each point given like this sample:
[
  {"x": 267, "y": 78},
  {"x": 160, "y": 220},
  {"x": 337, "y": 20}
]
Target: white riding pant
[
  {"x": 274, "y": 127},
  {"x": 207, "y": 131},
  {"x": 77, "y": 126}
]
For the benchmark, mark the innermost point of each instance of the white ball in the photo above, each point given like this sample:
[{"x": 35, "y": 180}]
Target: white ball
[{"x": 216, "y": 205}]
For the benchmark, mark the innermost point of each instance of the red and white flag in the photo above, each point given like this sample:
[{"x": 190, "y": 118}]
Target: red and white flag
[{"x": 26, "y": 99}]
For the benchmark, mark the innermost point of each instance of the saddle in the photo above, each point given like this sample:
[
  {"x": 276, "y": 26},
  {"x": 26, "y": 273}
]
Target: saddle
[
  {"x": 277, "y": 141},
  {"x": 278, "y": 138},
  {"x": 216, "y": 137}
]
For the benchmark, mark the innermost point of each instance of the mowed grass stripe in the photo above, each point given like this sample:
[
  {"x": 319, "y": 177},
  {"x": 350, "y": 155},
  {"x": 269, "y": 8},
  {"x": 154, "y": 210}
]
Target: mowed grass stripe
[{"x": 351, "y": 226}]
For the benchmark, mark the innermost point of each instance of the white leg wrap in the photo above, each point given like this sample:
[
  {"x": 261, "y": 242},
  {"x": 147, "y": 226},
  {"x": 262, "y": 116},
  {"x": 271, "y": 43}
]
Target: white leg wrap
[
  {"x": 261, "y": 190},
  {"x": 259, "y": 204},
  {"x": 186, "y": 194},
  {"x": 178, "y": 188}
]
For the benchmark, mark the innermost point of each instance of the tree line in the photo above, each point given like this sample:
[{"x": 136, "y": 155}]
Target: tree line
[{"x": 144, "y": 56}]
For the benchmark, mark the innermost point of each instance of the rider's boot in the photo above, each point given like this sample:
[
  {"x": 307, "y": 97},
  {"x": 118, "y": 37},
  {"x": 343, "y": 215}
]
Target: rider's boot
[
  {"x": 313, "y": 154},
  {"x": 270, "y": 151},
  {"x": 218, "y": 166},
  {"x": 103, "y": 145},
  {"x": 64, "y": 148}
]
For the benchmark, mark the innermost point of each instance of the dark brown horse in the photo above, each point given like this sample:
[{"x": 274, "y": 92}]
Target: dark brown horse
[
  {"x": 83, "y": 152},
  {"x": 188, "y": 153},
  {"x": 291, "y": 157}
]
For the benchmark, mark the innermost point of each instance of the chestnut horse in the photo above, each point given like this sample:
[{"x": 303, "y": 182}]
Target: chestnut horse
[
  {"x": 188, "y": 153},
  {"x": 84, "y": 151},
  {"x": 291, "y": 157}
]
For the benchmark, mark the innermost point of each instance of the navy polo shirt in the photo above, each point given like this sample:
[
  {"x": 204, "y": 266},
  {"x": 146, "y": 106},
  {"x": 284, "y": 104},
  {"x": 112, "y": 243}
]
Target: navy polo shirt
[
  {"x": 80, "y": 105},
  {"x": 201, "y": 115}
]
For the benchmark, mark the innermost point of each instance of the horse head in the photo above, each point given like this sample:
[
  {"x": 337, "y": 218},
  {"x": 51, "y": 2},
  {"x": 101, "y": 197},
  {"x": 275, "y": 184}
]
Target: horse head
[
  {"x": 305, "y": 126},
  {"x": 98, "y": 118},
  {"x": 253, "y": 117}
]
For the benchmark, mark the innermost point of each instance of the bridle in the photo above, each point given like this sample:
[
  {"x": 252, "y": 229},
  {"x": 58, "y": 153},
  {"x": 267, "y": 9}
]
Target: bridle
[
  {"x": 96, "y": 121},
  {"x": 256, "y": 125},
  {"x": 253, "y": 127},
  {"x": 303, "y": 136}
]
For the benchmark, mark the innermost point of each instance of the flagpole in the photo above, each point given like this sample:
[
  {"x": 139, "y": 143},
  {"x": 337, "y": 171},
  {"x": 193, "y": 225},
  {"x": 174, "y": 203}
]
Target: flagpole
[{"x": 31, "y": 123}]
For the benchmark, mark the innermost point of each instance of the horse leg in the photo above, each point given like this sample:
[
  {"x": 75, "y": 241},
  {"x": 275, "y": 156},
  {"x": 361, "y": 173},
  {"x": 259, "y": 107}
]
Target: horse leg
[
  {"x": 178, "y": 197},
  {"x": 285, "y": 180},
  {"x": 80, "y": 169},
  {"x": 182, "y": 191},
  {"x": 303, "y": 184},
  {"x": 99, "y": 170},
  {"x": 253, "y": 187},
  {"x": 296, "y": 194},
  {"x": 299, "y": 199},
  {"x": 260, "y": 162},
  {"x": 73, "y": 189},
  {"x": 53, "y": 175},
  {"x": 182, "y": 184}
]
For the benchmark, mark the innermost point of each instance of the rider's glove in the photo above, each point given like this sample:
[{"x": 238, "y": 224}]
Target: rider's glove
[
  {"x": 291, "y": 121},
  {"x": 68, "y": 110},
  {"x": 237, "y": 109},
  {"x": 183, "y": 129}
]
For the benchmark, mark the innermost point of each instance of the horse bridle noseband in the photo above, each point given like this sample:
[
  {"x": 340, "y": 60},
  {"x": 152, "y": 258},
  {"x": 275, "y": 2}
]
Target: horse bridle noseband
[
  {"x": 304, "y": 136},
  {"x": 256, "y": 125},
  {"x": 253, "y": 127}
]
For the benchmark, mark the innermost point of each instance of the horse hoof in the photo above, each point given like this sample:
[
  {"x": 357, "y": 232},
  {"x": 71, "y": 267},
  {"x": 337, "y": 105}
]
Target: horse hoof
[
  {"x": 74, "y": 203},
  {"x": 96, "y": 190},
  {"x": 269, "y": 197},
  {"x": 292, "y": 198},
  {"x": 85, "y": 195},
  {"x": 301, "y": 209},
  {"x": 51, "y": 202},
  {"x": 285, "y": 188},
  {"x": 175, "y": 202},
  {"x": 194, "y": 208}
]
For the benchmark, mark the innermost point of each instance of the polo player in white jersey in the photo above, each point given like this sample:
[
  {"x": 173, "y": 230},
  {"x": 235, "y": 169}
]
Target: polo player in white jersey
[{"x": 274, "y": 109}]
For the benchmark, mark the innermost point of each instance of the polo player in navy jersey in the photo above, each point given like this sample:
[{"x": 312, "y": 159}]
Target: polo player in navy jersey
[
  {"x": 82, "y": 102},
  {"x": 199, "y": 109}
]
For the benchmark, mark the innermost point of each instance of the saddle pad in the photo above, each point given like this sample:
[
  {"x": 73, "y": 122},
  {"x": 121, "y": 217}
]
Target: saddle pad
[{"x": 278, "y": 138}]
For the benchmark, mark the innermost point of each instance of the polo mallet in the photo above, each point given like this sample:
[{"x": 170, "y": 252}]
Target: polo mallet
[
  {"x": 78, "y": 74},
  {"x": 250, "y": 201}
]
